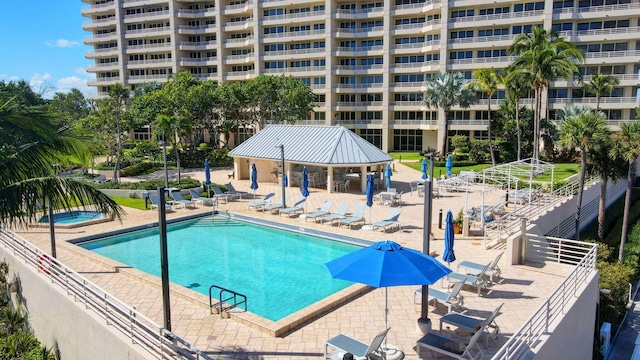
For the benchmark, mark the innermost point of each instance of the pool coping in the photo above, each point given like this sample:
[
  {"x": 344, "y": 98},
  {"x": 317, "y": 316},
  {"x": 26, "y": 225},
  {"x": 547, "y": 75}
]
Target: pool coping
[
  {"x": 103, "y": 219},
  {"x": 277, "y": 328}
]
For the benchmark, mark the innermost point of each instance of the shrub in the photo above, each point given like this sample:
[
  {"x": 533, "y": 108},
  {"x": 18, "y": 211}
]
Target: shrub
[
  {"x": 185, "y": 183},
  {"x": 455, "y": 163},
  {"x": 141, "y": 168},
  {"x": 460, "y": 143}
]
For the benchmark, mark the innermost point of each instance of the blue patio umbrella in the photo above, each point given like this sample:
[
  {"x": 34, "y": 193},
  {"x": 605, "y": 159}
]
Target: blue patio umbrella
[
  {"x": 424, "y": 169},
  {"x": 448, "y": 255},
  {"x": 448, "y": 164},
  {"x": 254, "y": 179},
  {"x": 304, "y": 188},
  {"x": 387, "y": 263},
  {"x": 369, "y": 203},
  {"x": 207, "y": 175},
  {"x": 387, "y": 176}
]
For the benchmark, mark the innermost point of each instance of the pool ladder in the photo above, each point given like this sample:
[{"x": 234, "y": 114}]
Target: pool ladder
[{"x": 224, "y": 305}]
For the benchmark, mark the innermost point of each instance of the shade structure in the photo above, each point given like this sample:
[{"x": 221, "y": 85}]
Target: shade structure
[
  {"x": 304, "y": 188},
  {"x": 387, "y": 176},
  {"x": 254, "y": 179},
  {"x": 424, "y": 167},
  {"x": 370, "y": 187},
  {"x": 449, "y": 164},
  {"x": 387, "y": 263},
  {"x": 448, "y": 255}
]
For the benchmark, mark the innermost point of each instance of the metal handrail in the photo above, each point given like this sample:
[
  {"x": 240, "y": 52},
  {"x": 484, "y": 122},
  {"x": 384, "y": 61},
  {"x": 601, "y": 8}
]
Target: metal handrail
[
  {"x": 538, "y": 325},
  {"x": 234, "y": 296},
  {"x": 140, "y": 329}
]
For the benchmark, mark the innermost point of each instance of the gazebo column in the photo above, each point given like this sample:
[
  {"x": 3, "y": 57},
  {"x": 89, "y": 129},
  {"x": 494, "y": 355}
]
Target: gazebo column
[
  {"x": 363, "y": 179},
  {"x": 329, "y": 179},
  {"x": 236, "y": 168},
  {"x": 287, "y": 171}
]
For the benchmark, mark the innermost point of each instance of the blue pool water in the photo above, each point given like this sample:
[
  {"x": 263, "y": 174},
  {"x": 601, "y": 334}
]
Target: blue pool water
[
  {"x": 279, "y": 271},
  {"x": 72, "y": 217}
]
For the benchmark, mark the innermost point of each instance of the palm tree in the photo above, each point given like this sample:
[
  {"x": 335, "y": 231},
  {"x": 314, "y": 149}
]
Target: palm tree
[
  {"x": 628, "y": 148},
  {"x": 488, "y": 81},
  {"x": 585, "y": 130},
  {"x": 446, "y": 90},
  {"x": 600, "y": 84},
  {"x": 118, "y": 96},
  {"x": 517, "y": 85},
  {"x": 543, "y": 56}
]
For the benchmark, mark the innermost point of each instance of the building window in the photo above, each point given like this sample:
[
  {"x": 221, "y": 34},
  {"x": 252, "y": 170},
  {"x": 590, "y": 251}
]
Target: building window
[
  {"x": 407, "y": 140},
  {"x": 373, "y": 136}
]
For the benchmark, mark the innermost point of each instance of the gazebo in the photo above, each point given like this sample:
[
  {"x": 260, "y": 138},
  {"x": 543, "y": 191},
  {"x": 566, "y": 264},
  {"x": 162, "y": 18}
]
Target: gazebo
[{"x": 330, "y": 153}]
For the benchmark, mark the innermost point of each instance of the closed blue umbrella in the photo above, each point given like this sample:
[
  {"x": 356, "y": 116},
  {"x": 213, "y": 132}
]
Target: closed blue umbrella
[
  {"x": 448, "y": 255},
  {"x": 207, "y": 175},
  {"x": 304, "y": 189},
  {"x": 387, "y": 263},
  {"x": 424, "y": 169},
  {"x": 449, "y": 165},
  {"x": 369, "y": 203},
  {"x": 254, "y": 179},
  {"x": 387, "y": 176}
]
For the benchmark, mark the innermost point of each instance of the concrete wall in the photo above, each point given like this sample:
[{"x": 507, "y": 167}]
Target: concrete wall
[
  {"x": 572, "y": 336},
  {"x": 57, "y": 320}
]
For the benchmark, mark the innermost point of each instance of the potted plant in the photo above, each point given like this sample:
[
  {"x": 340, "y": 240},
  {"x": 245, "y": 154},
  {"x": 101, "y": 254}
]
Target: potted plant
[{"x": 458, "y": 222}]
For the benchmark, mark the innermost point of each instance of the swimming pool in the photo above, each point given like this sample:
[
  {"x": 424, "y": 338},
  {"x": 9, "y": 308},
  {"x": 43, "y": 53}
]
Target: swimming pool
[
  {"x": 71, "y": 219},
  {"x": 279, "y": 271}
]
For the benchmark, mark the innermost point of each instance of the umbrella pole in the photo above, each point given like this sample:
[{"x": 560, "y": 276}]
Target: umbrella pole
[{"x": 386, "y": 314}]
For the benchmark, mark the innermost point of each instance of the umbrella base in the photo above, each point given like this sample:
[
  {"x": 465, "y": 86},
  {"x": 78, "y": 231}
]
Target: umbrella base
[
  {"x": 392, "y": 352},
  {"x": 366, "y": 227},
  {"x": 302, "y": 216},
  {"x": 423, "y": 327}
]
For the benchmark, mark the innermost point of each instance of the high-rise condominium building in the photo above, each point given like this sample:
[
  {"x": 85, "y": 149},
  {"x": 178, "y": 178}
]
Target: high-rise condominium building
[{"x": 366, "y": 60}]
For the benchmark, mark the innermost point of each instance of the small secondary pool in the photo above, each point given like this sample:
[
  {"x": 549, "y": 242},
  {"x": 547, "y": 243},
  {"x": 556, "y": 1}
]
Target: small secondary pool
[
  {"x": 71, "y": 219},
  {"x": 279, "y": 271}
]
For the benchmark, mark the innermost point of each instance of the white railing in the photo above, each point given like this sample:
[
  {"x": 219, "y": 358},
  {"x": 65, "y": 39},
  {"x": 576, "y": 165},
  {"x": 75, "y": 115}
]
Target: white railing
[
  {"x": 493, "y": 17},
  {"x": 538, "y": 325},
  {"x": 141, "y": 330}
]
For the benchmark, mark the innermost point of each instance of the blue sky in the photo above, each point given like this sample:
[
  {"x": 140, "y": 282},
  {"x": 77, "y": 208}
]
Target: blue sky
[{"x": 42, "y": 44}]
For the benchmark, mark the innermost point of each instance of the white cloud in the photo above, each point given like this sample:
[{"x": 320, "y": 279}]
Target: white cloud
[
  {"x": 40, "y": 82},
  {"x": 65, "y": 85},
  {"x": 8, "y": 78},
  {"x": 63, "y": 43}
]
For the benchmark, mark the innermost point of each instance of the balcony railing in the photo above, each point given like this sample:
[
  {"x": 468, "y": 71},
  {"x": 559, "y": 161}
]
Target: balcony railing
[
  {"x": 415, "y": 6},
  {"x": 359, "y": 67},
  {"x": 358, "y": 103},
  {"x": 197, "y": 12},
  {"x": 612, "y": 54},
  {"x": 295, "y": 33},
  {"x": 146, "y": 15},
  {"x": 593, "y": 100},
  {"x": 494, "y": 17},
  {"x": 482, "y": 39},
  {"x": 295, "y": 52},
  {"x": 148, "y": 30},
  {"x": 361, "y": 49},
  {"x": 301, "y": 15},
  {"x": 294, "y": 70},
  {"x": 359, "y": 12},
  {"x": 199, "y": 61},
  {"x": 202, "y": 44},
  {"x": 420, "y": 26},
  {"x": 415, "y": 122},
  {"x": 500, "y": 59},
  {"x": 147, "y": 78},
  {"x": 133, "y": 63},
  {"x": 415, "y": 65},
  {"x": 417, "y": 45},
  {"x": 607, "y": 8}
]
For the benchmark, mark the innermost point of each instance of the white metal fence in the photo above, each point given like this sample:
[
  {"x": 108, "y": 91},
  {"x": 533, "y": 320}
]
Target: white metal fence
[
  {"x": 140, "y": 329},
  {"x": 583, "y": 255}
]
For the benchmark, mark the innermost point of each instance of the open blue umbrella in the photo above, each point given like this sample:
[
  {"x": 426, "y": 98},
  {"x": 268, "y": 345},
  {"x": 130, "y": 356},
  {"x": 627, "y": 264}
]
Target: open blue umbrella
[
  {"x": 369, "y": 203},
  {"x": 448, "y": 164},
  {"x": 207, "y": 174},
  {"x": 448, "y": 255},
  {"x": 254, "y": 179},
  {"x": 424, "y": 169},
  {"x": 387, "y": 176},
  {"x": 387, "y": 263}
]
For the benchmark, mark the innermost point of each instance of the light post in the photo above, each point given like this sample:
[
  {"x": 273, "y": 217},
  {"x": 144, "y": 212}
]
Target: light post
[
  {"x": 164, "y": 154},
  {"x": 164, "y": 259},
  {"x": 424, "y": 323},
  {"x": 281, "y": 146}
]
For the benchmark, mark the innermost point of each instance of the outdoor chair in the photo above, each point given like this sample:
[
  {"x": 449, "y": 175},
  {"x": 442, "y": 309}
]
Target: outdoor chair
[
  {"x": 397, "y": 199},
  {"x": 390, "y": 221},
  {"x": 386, "y": 199},
  {"x": 414, "y": 187},
  {"x": 155, "y": 202},
  {"x": 218, "y": 194},
  {"x": 452, "y": 348},
  {"x": 344, "y": 186},
  {"x": 473, "y": 324},
  {"x": 478, "y": 281},
  {"x": 324, "y": 210},
  {"x": 472, "y": 268},
  {"x": 179, "y": 200},
  {"x": 274, "y": 207},
  {"x": 238, "y": 194},
  {"x": 297, "y": 207},
  {"x": 356, "y": 217},
  {"x": 265, "y": 201},
  {"x": 341, "y": 213},
  {"x": 195, "y": 197},
  {"x": 345, "y": 344},
  {"x": 449, "y": 299}
]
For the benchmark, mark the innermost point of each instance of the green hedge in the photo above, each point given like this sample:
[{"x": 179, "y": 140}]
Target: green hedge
[
  {"x": 142, "y": 168},
  {"x": 460, "y": 163},
  {"x": 185, "y": 183}
]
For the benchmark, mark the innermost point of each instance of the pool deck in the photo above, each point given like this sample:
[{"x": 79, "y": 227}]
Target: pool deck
[{"x": 522, "y": 288}]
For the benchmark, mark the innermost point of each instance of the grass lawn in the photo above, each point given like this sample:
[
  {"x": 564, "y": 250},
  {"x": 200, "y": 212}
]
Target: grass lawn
[
  {"x": 413, "y": 156},
  {"x": 129, "y": 202}
]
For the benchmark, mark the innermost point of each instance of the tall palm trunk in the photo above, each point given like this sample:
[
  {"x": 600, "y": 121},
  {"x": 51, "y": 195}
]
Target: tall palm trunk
[
  {"x": 627, "y": 208},
  {"x": 536, "y": 125},
  {"x": 445, "y": 143},
  {"x": 519, "y": 132},
  {"x": 493, "y": 156},
  {"x": 116, "y": 168},
  {"x": 602, "y": 207},
  {"x": 583, "y": 170}
]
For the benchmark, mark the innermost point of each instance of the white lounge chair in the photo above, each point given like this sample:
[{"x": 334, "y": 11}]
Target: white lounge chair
[
  {"x": 218, "y": 194},
  {"x": 179, "y": 200},
  {"x": 324, "y": 210},
  {"x": 356, "y": 217},
  {"x": 265, "y": 201},
  {"x": 449, "y": 299},
  {"x": 345, "y": 344},
  {"x": 390, "y": 221},
  {"x": 296, "y": 208},
  {"x": 473, "y": 324},
  {"x": 472, "y": 268},
  {"x": 275, "y": 207},
  {"x": 155, "y": 202},
  {"x": 195, "y": 197},
  {"x": 478, "y": 282},
  {"x": 237, "y": 194},
  {"x": 341, "y": 213},
  {"x": 450, "y": 347}
]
